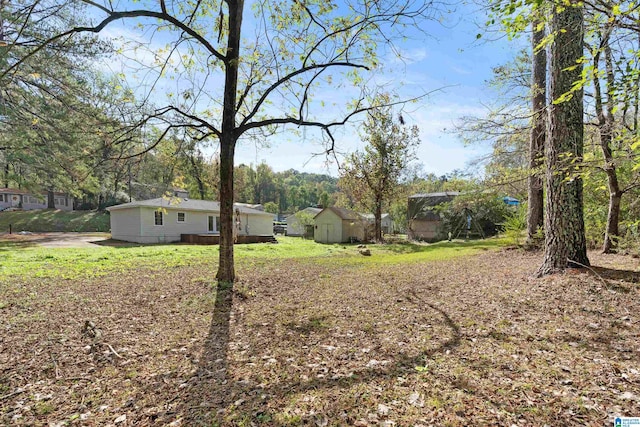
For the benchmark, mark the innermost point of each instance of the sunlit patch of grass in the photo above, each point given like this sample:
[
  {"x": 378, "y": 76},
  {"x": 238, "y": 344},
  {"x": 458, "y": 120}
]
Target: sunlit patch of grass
[
  {"x": 406, "y": 253},
  {"x": 98, "y": 261},
  {"x": 47, "y": 220},
  {"x": 71, "y": 263}
]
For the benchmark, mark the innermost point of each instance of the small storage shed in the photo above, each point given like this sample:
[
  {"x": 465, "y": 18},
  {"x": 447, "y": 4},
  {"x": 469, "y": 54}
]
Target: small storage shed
[
  {"x": 338, "y": 225},
  {"x": 165, "y": 219}
]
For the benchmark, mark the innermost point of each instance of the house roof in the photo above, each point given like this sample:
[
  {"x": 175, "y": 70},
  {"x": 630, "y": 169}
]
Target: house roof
[
  {"x": 257, "y": 206},
  {"x": 183, "y": 204},
  {"x": 18, "y": 191},
  {"x": 371, "y": 216},
  {"x": 342, "y": 213}
]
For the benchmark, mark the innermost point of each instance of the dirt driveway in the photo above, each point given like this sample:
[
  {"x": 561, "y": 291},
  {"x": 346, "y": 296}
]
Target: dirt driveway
[{"x": 59, "y": 240}]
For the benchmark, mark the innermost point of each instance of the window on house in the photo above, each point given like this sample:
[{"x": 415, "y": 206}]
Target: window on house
[
  {"x": 181, "y": 216},
  {"x": 2, "y": 198},
  {"x": 213, "y": 224},
  {"x": 34, "y": 200},
  {"x": 158, "y": 217}
]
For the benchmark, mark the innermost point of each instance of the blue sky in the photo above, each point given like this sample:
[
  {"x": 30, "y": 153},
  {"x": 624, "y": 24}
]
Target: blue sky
[
  {"x": 451, "y": 59},
  {"x": 450, "y": 62}
]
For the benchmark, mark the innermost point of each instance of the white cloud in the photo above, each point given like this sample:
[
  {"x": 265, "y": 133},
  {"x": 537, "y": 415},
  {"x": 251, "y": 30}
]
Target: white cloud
[
  {"x": 418, "y": 67},
  {"x": 440, "y": 152},
  {"x": 409, "y": 56},
  {"x": 461, "y": 70}
]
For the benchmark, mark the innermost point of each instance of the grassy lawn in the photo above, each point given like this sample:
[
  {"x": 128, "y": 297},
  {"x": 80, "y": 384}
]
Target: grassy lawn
[
  {"x": 449, "y": 334},
  {"x": 69, "y": 263},
  {"x": 48, "y": 220}
]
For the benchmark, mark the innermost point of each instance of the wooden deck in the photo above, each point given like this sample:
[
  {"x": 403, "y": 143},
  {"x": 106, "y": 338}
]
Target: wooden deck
[{"x": 214, "y": 239}]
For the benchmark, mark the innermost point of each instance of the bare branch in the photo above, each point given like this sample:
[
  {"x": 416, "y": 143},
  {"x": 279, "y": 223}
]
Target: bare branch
[
  {"x": 115, "y": 16},
  {"x": 285, "y": 79},
  {"x": 325, "y": 126}
]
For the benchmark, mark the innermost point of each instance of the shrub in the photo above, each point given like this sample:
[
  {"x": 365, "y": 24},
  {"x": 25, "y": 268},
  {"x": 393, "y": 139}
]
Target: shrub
[{"x": 514, "y": 224}]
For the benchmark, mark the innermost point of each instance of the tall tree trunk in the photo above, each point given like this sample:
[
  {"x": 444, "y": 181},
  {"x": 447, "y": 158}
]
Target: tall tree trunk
[
  {"x": 129, "y": 180},
  {"x": 6, "y": 175},
  {"x": 535, "y": 212},
  {"x": 605, "y": 126},
  {"x": 613, "y": 215},
  {"x": 197, "y": 174},
  {"x": 378, "y": 221},
  {"x": 51, "y": 201},
  {"x": 226, "y": 270},
  {"x": 228, "y": 139},
  {"x": 565, "y": 242}
]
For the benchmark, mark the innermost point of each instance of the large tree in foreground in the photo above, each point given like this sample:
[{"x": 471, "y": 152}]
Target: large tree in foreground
[
  {"x": 565, "y": 243},
  {"x": 372, "y": 176},
  {"x": 247, "y": 78},
  {"x": 535, "y": 199}
]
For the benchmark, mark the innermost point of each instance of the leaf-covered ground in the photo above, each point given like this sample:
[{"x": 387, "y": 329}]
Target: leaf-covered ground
[{"x": 470, "y": 341}]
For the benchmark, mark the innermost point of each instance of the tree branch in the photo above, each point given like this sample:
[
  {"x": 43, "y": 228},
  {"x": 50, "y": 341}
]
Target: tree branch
[
  {"x": 281, "y": 81},
  {"x": 114, "y": 16}
]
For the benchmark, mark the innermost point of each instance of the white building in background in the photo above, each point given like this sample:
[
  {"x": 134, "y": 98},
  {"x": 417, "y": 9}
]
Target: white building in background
[
  {"x": 21, "y": 199},
  {"x": 165, "y": 219},
  {"x": 294, "y": 226},
  {"x": 386, "y": 223}
]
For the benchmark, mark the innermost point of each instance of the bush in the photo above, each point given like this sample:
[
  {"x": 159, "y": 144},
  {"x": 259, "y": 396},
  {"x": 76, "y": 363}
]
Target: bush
[
  {"x": 514, "y": 224},
  {"x": 629, "y": 242},
  {"x": 487, "y": 212}
]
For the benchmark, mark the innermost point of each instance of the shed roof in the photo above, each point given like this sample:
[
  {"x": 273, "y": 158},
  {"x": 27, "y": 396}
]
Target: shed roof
[
  {"x": 184, "y": 204},
  {"x": 310, "y": 210},
  {"x": 342, "y": 213}
]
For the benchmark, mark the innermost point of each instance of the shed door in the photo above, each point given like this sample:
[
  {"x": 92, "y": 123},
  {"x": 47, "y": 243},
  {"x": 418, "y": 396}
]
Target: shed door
[{"x": 326, "y": 232}]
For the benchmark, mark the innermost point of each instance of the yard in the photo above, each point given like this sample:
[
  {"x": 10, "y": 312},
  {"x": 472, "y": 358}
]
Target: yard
[
  {"x": 49, "y": 220},
  {"x": 447, "y": 334}
]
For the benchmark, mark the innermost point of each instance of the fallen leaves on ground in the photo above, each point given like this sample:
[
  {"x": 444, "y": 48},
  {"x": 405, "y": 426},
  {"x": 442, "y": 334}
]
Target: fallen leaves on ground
[{"x": 472, "y": 341}]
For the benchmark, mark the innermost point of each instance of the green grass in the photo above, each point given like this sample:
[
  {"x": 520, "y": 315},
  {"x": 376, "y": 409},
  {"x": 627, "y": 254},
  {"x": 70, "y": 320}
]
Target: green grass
[
  {"x": 48, "y": 220},
  {"x": 18, "y": 259},
  {"x": 409, "y": 252}
]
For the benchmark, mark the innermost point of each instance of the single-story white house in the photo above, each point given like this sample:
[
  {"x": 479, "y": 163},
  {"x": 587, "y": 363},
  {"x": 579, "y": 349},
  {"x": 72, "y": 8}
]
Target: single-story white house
[
  {"x": 386, "y": 223},
  {"x": 338, "y": 225},
  {"x": 21, "y": 199},
  {"x": 164, "y": 219},
  {"x": 294, "y": 226}
]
